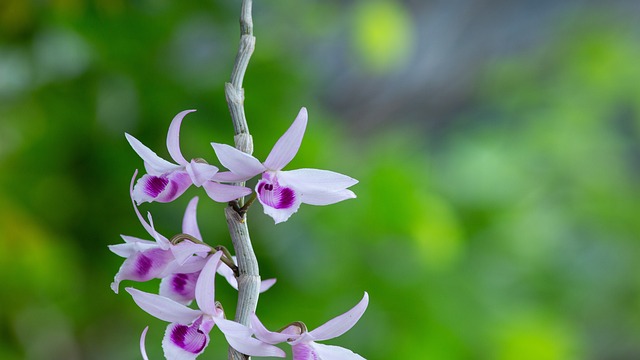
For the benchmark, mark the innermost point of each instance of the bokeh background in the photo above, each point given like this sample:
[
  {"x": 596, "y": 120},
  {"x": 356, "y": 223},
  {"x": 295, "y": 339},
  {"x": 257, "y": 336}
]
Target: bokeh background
[{"x": 497, "y": 144}]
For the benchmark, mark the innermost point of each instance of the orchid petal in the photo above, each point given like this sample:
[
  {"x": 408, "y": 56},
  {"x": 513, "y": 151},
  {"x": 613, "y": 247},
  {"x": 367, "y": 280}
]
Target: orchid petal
[
  {"x": 135, "y": 240},
  {"x": 143, "y": 266},
  {"x": 279, "y": 202},
  {"x": 205, "y": 287},
  {"x": 143, "y": 349},
  {"x": 179, "y": 287},
  {"x": 223, "y": 192},
  {"x": 304, "y": 351},
  {"x": 145, "y": 225},
  {"x": 310, "y": 180},
  {"x": 173, "y": 138},
  {"x": 152, "y": 161},
  {"x": 164, "y": 188},
  {"x": 163, "y": 308},
  {"x": 342, "y": 323},
  {"x": 326, "y": 197},
  {"x": 270, "y": 337},
  {"x": 240, "y": 163},
  {"x": 239, "y": 337},
  {"x": 266, "y": 284},
  {"x": 228, "y": 176},
  {"x": 228, "y": 274},
  {"x": 189, "y": 221},
  {"x": 193, "y": 264},
  {"x": 186, "y": 249},
  {"x": 182, "y": 342},
  {"x": 287, "y": 146},
  {"x": 200, "y": 173},
  {"x": 127, "y": 249},
  {"x": 330, "y": 352}
]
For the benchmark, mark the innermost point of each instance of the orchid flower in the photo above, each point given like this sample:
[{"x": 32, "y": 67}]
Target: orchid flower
[
  {"x": 181, "y": 287},
  {"x": 282, "y": 192},
  {"x": 165, "y": 181},
  {"x": 187, "y": 335},
  {"x": 147, "y": 260},
  {"x": 303, "y": 342}
]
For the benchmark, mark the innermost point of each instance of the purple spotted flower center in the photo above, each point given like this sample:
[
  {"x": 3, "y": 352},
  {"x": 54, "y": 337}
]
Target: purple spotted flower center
[
  {"x": 276, "y": 196},
  {"x": 189, "y": 338}
]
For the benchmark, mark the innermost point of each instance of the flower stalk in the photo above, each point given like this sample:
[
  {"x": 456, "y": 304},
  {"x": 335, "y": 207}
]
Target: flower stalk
[{"x": 248, "y": 271}]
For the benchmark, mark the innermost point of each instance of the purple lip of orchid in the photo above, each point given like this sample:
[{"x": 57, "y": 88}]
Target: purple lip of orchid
[
  {"x": 303, "y": 342},
  {"x": 187, "y": 335},
  {"x": 282, "y": 192},
  {"x": 166, "y": 181}
]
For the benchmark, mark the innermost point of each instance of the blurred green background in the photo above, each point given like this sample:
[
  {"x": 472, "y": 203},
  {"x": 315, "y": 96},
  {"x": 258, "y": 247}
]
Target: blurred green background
[{"x": 497, "y": 146}]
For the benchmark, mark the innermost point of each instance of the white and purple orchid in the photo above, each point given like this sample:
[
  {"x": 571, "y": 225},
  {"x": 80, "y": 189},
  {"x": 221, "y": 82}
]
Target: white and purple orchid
[
  {"x": 165, "y": 181},
  {"x": 146, "y": 260},
  {"x": 303, "y": 342},
  {"x": 187, "y": 335},
  {"x": 282, "y": 192}
]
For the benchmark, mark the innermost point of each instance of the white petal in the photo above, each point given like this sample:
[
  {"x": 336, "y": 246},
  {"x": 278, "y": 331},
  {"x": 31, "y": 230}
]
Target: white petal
[
  {"x": 308, "y": 180},
  {"x": 205, "y": 287},
  {"x": 200, "y": 173},
  {"x": 185, "y": 250},
  {"x": 152, "y": 161},
  {"x": 287, "y": 146},
  {"x": 189, "y": 221},
  {"x": 143, "y": 349},
  {"x": 228, "y": 274},
  {"x": 163, "y": 308},
  {"x": 266, "y": 284},
  {"x": 223, "y": 192},
  {"x": 279, "y": 202},
  {"x": 326, "y": 197},
  {"x": 173, "y": 138},
  {"x": 342, "y": 323},
  {"x": 238, "y": 162},
  {"x": 239, "y": 337},
  {"x": 270, "y": 337},
  {"x": 329, "y": 352}
]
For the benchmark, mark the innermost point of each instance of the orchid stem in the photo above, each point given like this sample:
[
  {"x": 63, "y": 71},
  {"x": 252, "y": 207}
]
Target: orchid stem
[{"x": 248, "y": 274}]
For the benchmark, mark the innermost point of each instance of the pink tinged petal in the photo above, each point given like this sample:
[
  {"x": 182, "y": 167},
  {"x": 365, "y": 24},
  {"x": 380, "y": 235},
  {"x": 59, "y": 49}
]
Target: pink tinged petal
[
  {"x": 184, "y": 250},
  {"x": 189, "y": 221},
  {"x": 304, "y": 351},
  {"x": 266, "y": 284},
  {"x": 163, "y": 188},
  {"x": 326, "y": 197},
  {"x": 128, "y": 249},
  {"x": 146, "y": 225},
  {"x": 270, "y": 337},
  {"x": 239, "y": 337},
  {"x": 143, "y": 266},
  {"x": 193, "y": 264},
  {"x": 287, "y": 146},
  {"x": 342, "y": 323},
  {"x": 205, "y": 287},
  {"x": 200, "y": 173},
  {"x": 228, "y": 176},
  {"x": 228, "y": 274},
  {"x": 182, "y": 342},
  {"x": 330, "y": 352},
  {"x": 241, "y": 164},
  {"x": 173, "y": 138},
  {"x": 163, "y": 308},
  {"x": 179, "y": 287},
  {"x": 153, "y": 162},
  {"x": 279, "y": 202},
  {"x": 309, "y": 180},
  {"x": 143, "y": 349},
  {"x": 223, "y": 192}
]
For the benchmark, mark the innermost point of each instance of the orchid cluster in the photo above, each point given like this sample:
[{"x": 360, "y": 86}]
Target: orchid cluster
[{"x": 187, "y": 266}]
